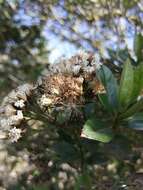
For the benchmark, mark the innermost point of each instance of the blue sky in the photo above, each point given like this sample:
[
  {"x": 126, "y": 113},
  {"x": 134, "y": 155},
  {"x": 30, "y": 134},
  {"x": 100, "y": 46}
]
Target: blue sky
[{"x": 60, "y": 48}]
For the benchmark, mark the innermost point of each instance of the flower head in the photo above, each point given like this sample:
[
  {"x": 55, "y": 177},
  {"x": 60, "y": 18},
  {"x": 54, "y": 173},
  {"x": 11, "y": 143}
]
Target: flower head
[
  {"x": 19, "y": 104},
  {"x": 14, "y": 134}
]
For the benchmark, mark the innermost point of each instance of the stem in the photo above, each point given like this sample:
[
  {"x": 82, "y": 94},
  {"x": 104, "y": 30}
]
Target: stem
[
  {"x": 115, "y": 123},
  {"x": 82, "y": 159},
  {"x": 82, "y": 164}
]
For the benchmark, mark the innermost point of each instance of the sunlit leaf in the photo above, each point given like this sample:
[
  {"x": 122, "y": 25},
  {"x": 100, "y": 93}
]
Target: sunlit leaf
[
  {"x": 138, "y": 46},
  {"x": 133, "y": 109},
  {"x": 97, "y": 130},
  {"x": 138, "y": 81},
  {"x": 126, "y": 84}
]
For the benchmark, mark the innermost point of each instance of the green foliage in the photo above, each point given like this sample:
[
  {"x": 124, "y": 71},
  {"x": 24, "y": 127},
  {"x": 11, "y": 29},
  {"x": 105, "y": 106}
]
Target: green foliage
[
  {"x": 96, "y": 129},
  {"x": 126, "y": 84},
  {"x": 108, "y": 80},
  {"x": 138, "y": 81},
  {"x": 138, "y": 46},
  {"x": 121, "y": 104}
]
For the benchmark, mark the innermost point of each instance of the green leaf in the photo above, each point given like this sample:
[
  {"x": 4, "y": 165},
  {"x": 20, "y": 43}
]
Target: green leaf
[
  {"x": 138, "y": 81},
  {"x": 104, "y": 101},
  {"x": 133, "y": 109},
  {"x": 108, "y": 80},
  {"x": 138, "y": 46},
  {"x": 136, "y": 122},
  {"x": 141, "y": 75},
  {"x": 126, "y": 84},
  {"x": 96, "y": 130}
]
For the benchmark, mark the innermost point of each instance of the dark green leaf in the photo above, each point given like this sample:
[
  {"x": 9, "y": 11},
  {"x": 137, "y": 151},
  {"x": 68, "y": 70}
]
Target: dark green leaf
[
  {"x": 104, "y": 101},
  {"x": 66, "y": 151},
  {"x": 89, "y": 109},
  {"x": 108, "y": 80}
]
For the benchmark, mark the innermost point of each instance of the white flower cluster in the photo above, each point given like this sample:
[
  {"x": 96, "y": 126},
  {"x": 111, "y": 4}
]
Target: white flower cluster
[
  {"x": 45, "y": 101},
  {"x": 14, "y": 134},
  {"x": 19, "y": 104},
  {"x": 11, "y": 112},
  {"x": 82, "y": 63}
]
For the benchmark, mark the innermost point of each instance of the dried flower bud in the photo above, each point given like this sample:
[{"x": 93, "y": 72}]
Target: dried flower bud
[
  {"x": 45, "y": 101},
  {"x": 62, "y": 89},
  {"x": 55, "y": 91}
]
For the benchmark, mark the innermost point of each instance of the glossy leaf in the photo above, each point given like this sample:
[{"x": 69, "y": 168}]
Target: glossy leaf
[
  {"x": 108, "y": 80},
  {"x": 141, "y": 75},
  {"x": 126, "y": 84},
  {"x": 138, "y": 46},
  {"x": 137, "y": 86},
  {"x": 104, "y": 101},
  {"x": 133, "y": 109},
  {"x": 97, "y": 130}
]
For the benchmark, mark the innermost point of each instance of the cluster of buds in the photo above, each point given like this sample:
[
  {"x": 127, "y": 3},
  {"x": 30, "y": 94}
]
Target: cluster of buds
[
  {"x": 60, "y": 91},
  {"x": 83, "y": 63},
  {"x": 62, "y": 88},
  {"x": 11, "y": 112}
]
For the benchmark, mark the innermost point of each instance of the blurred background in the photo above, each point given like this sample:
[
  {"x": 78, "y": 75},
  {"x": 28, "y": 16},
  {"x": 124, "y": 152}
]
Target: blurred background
[{"x": 36, "y": 33}]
